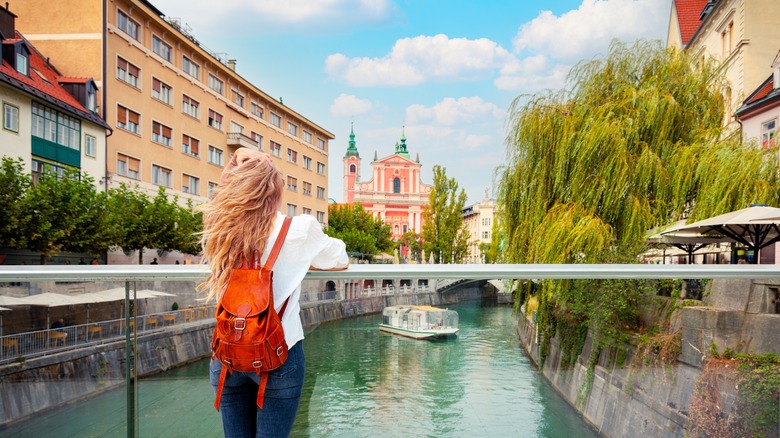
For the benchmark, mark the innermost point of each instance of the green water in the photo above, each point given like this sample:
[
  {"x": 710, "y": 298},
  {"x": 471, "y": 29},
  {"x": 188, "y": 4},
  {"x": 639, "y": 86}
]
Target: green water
[{"x": 360, "y": 382}]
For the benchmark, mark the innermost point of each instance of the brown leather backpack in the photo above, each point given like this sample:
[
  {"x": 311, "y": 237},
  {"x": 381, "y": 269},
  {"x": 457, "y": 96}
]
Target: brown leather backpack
[{"x": 248, "y": 336}]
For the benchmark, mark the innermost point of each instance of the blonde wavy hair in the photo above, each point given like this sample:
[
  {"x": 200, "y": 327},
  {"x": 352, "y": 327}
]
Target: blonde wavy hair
[{"x": 238, "y": 219}]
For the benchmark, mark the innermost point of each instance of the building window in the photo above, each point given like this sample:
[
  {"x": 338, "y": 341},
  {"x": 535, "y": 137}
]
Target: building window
[
  {"x": 190, "y": 106},
  {"x": 306, "y": 162},
  {"x": 292, "y": 156},
  {"x": 727, "y": 40},
  {"x": 485, "y": 221},
  {"x": 320, "y": 168},
  {"x": 161, "y": 48},
  {"x": 22, "y": 66},
  {"x": 190, "y": 67},
  {"x": 128, "y": 119},
  {"x": 396, "y": 185},
  {"x": 292, "y": 184},
  {"x": 256, "y": 109},
  {"x": 306, "y": 188},
  {"x": 39, "y": 168},
  {"x": 306, "y": 210},
  {"x": 161, "y": 176},
  {"x": 90, "y": 146},
  {"x": 190, "y": 184},
  {"x": 56, "y": 127},
  {"x": 92, "y": 100},
  {"x": 352, "y": 168},
  {"x": 212, "y": 187},
  {"x": 215, "y": 155},
  {"x": 258, "y": 138},
  {"x": 307, "y": 137},
  {"x": 320, "y": 192},
  {"x": 321, "y": 217},
  {"x": 276, "y": 120},
  {"x": 292, "y": 129},
  {"x": 321, "y": 143},
  {"x": 190, "y": 146},
  {"x": 768, "y": 132},
  {"x": 161, "y": 134},
  {"x": 161, "y": 91},
  {"x": 486, "y": 234},
  {"x": 291, "y": 209},
  {"x": 128, "y": 166},
  {"x": 235, "y": 127},
  {"x": 215, "y": 119},
  {"x": 275, "y": 148},
  {"x": 216, "y": 84},
  {"x": 238, "y": 98},
  {"x": 127, "y": 72},
  {"x": 10, "y": 117},
  {"x": 127, "y": 24}
]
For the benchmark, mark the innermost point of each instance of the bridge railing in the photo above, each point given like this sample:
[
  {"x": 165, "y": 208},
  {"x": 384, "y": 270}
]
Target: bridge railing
[{"x": 129, "y": 275}]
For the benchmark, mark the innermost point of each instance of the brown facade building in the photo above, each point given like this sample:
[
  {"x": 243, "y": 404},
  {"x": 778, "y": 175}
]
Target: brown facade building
[{"x": 177, "y": 110}]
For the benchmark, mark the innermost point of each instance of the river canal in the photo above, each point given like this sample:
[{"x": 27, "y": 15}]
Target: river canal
[{"x": 359, "y": 383}]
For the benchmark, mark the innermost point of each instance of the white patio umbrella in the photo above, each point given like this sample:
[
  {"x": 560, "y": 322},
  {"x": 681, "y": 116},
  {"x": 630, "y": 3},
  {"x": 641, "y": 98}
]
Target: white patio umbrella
[
  {"x": 748, "y": 227},
  {"x": 686, "y": 241},
  {"x": 50, "y": 299}
]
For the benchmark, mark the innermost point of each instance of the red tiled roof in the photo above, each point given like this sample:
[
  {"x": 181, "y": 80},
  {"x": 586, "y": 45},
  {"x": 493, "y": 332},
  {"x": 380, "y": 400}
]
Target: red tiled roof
[
  {"x": 688, "y": 12},
  {"x": 51, "y": 88},
  {"x": 72, "y": 80},
  {"x": 762, "y": 92}
]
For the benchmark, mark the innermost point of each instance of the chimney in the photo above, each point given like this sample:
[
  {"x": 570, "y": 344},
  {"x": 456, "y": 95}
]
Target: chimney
[
  {"x": 7, "y": 23},
  {"x": 231, "y": 64}
]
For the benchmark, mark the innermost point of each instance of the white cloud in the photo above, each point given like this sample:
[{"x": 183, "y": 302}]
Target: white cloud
[
  {"x": 451, "y": 111},
  {"x": 258, "y": 16},
  {"x": 588, "y": 30},
  {"x": 349, "y": 105},
  {"x": 413, "y": 61}
]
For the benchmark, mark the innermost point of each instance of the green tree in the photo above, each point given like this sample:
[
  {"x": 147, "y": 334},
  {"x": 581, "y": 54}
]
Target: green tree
[
  {"x": 444, "y": 233},
  {"x": 412, "y": 241},
  {"x": 358, "y": 229},
  {"x": 128, "y": 218},
  {"x": 62, "y": 213},
  {"x": 635, "y": 142},
  {"x": 14, "y": 183},
  {"x": 188, "y": 224}
]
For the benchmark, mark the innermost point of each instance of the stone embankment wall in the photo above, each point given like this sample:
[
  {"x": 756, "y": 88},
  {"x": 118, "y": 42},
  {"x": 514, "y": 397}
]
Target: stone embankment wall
[
  {"x": 654, "y": 401},
  {"x": 37, "y": 384}
]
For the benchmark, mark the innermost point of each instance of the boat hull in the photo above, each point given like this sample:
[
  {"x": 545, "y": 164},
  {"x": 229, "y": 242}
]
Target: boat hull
[{"x": 419, "y": 334}]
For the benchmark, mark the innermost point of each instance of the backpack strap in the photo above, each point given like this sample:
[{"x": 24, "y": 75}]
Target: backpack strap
[{"x": 269, "y": 264}]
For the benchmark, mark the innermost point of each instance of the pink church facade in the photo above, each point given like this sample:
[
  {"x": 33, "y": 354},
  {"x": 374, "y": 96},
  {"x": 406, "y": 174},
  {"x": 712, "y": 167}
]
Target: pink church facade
[{"x": 394, "y": 193}]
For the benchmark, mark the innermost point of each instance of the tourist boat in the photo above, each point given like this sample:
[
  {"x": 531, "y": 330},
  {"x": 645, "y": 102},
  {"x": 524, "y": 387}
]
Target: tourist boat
[{"x": 419, "y": 322}]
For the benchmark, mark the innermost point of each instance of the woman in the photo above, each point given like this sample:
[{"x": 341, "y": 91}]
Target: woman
[{"x": 242, "y": 217}]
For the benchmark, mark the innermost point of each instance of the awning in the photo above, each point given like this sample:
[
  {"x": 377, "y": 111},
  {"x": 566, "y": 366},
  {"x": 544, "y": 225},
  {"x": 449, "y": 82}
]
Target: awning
[
  {"x": 4, "y": 308},
  {"x": 11, "y": 301},
  {"x": 50, "y": 299}
]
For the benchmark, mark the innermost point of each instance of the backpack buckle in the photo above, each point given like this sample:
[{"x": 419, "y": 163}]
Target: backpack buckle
[
  {"x": 239, "y": 323},
  {"x": 279, "y": 350},
  {"x": 257, "y": 364}
]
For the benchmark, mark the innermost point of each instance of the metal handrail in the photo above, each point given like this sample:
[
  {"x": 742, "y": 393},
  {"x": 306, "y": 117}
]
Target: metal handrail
[{"x": 400, "y": 272}]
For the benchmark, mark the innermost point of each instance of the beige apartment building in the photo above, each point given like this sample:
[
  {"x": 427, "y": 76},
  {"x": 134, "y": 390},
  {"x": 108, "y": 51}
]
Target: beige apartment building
[
  {"x": 479, "y": 219},
  {"x": 742, "y": 34},
  {"x": 178, "y": 111}
]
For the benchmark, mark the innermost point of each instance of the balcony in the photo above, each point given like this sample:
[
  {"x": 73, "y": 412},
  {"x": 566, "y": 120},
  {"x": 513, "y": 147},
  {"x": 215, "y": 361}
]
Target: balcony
[{"x": 240, "y": 140}]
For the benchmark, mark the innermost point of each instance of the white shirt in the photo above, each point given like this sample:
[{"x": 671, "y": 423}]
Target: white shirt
[{"x": 305, "y": 245}]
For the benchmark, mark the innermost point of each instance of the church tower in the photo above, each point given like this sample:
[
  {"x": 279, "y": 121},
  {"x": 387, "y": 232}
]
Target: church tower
[{"x": 351, "y": 168}]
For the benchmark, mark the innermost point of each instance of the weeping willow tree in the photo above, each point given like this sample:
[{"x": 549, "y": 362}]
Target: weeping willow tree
[{"x": 634, "y": 141}]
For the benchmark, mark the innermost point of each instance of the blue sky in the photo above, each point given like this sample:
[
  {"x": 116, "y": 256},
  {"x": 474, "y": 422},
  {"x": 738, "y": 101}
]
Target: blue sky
[{"x": 447, "y": 70}]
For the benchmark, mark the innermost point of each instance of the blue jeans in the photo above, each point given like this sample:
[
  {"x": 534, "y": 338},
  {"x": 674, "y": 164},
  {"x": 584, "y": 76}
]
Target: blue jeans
[{"x": 240, "y": 415}]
